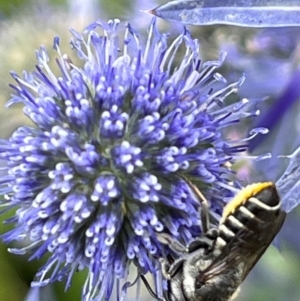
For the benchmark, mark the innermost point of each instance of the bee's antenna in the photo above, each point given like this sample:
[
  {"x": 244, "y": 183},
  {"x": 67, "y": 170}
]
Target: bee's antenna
[
  {"x": 204, "y": 212},
  {"x": 149, "y": 289}
]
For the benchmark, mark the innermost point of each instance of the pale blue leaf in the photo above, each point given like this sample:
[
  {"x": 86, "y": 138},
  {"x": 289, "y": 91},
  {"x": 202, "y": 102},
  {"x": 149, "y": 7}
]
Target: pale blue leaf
[
  {"x": 289, "y": 184},
  {"x": 247, "y": 13}
]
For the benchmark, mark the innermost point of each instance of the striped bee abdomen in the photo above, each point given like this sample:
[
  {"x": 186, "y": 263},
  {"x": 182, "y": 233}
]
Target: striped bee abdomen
[{"x": 252, "y": 209}]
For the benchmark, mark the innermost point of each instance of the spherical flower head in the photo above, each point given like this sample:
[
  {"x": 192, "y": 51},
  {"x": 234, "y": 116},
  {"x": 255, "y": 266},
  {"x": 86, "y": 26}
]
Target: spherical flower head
[{"x": 115, "y": 145}]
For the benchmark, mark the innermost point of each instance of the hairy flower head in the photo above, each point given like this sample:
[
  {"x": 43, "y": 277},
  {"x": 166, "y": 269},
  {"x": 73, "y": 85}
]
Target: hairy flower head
[{"x": 115, "y": 143}]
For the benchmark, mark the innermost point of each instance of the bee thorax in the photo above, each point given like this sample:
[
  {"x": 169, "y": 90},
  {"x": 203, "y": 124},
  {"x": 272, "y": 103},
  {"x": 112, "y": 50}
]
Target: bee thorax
[{"x": 219, "y": 288}]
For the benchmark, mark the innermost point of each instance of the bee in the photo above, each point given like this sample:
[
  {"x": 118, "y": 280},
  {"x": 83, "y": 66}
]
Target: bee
[{"x": 212, "y": 267}]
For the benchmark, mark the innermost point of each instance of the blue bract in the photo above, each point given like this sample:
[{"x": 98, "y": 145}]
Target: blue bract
[
  {"x": 247, "y": 13},
  {"x": 115, "y": 142}
]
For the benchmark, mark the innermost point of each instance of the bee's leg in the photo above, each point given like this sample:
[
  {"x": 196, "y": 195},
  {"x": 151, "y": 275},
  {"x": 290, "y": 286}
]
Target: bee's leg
[
  {"x": 149, "y": 289},
  {"x": 200, "y": 243},
  {"x": 205, "y": 241},
  {"x": 198, "y": 256},
  {"x": 169, "y": 270},
  {"x": 174, "y": 244},
  {"x": 165, "y": 267},
  {"x": 212, "y": 233}
]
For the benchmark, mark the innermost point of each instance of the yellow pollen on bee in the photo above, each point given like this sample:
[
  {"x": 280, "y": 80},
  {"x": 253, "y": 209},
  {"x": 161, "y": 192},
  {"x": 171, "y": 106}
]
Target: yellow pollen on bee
[{"x": 242, "y": 196}]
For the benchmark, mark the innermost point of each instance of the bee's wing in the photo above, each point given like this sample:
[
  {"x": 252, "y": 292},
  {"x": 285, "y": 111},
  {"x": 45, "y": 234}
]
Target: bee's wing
[{"x": 246, "y": 246}]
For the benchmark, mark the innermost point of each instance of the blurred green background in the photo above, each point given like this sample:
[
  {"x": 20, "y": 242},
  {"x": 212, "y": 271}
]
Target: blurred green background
[{"x": 25, "y": 25}]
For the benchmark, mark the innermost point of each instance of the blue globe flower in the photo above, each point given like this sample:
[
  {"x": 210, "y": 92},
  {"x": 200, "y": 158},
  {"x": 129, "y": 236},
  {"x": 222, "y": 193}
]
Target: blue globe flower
[{"x": 116, "y": 141}]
